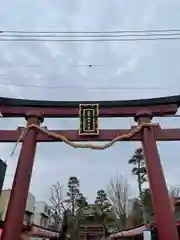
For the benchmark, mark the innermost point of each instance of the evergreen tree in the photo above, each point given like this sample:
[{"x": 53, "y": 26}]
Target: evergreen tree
[
  {"x": 147, "y": 201},
  {"x": 73, "y": 191},
  {"x": 101, "y": 197},
  {"x": 81, "y": 201},
  {"x": 140, "y": 171}
]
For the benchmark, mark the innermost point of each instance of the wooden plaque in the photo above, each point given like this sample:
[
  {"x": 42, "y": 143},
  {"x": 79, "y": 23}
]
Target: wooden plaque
[{"x": 89, "y": 124}]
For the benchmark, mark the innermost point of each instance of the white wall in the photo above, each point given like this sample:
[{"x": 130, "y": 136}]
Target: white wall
[
  {"x": 40, "y": 208},
  {"x": 4, "y": 200},
  {"x": 40, "y": 212},
  {"x": 30, "y": 205},
  {"x": 37, "y": 219}
]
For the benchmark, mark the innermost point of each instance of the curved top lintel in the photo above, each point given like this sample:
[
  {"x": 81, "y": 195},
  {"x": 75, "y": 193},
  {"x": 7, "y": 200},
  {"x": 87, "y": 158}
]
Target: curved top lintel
[{"x": 123, "y": 103}]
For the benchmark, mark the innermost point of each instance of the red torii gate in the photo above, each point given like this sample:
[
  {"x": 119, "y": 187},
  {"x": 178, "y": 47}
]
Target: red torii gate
[{"x": 146, "y": 132}]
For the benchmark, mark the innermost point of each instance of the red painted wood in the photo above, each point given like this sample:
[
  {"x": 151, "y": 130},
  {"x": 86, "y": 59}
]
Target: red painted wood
[
  {"x": 163, "y": 210},
  {"x": 56, "y": 112},
  {"x": 105, "y": 135},
  {"x": 165, "y": 220},
  {"x": 15, "y": 213}
]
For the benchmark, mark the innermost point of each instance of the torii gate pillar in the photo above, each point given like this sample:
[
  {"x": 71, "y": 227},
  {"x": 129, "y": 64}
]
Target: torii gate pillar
[
  {"x": 12, "y": 228},
  {"x": 163, "y": 210}
]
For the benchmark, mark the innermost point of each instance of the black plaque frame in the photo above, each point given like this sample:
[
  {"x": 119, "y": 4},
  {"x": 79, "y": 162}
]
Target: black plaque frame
[{"x": 89, "y": 122}]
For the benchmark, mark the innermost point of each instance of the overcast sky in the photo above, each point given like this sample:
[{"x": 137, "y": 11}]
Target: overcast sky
[{"x": 150, "y": 65}]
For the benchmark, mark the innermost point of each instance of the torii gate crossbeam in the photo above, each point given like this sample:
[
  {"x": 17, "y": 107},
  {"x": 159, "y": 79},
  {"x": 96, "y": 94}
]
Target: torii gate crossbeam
[{"x": 142, "y": 110}]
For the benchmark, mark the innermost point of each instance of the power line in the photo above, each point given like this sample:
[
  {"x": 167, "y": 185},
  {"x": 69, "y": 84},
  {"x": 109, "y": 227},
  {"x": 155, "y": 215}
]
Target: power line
[
  {"x": 87, "y": 40},
  {"x": 90, "y": 36},
  {"x": 60, "y": 64},
  {"x": 57, "y": 65},
  {"x": 91, "y": 32},
  {"x": 79, "y": 88},
  {"x": 148, "y": 35}
]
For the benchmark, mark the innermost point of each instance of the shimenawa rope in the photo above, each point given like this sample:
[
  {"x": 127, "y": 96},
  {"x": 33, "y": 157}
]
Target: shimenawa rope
[{"x": 63, "y": 138}]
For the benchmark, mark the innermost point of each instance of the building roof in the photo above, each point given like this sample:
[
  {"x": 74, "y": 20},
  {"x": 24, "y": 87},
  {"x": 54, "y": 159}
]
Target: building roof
[
  {"x": 139, "y": 230},
  {"x": 133, "y": 232}
]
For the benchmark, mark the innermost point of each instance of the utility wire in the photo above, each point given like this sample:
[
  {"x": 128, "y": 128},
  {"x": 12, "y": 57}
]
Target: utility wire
[
  {"x": 87, "y": 32},
  {"x": 77, "y": 87},
  {"x": 149, "y": 36},
  {"x": 90, "y": 36},
  {"x": 87, "y": 40},
  {"x": 57, "y": 65}
]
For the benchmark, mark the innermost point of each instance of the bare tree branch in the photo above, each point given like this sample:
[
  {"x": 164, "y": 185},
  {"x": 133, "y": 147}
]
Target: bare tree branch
[
  {"x": 175, "y": 192},
  {"x": 118, "y": 194},
  {"x": 58, "y": 204}
]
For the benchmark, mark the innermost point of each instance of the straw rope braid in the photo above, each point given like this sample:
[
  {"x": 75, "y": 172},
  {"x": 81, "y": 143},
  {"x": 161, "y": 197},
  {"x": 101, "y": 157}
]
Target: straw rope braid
[{"x": 63, "y": 138}]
